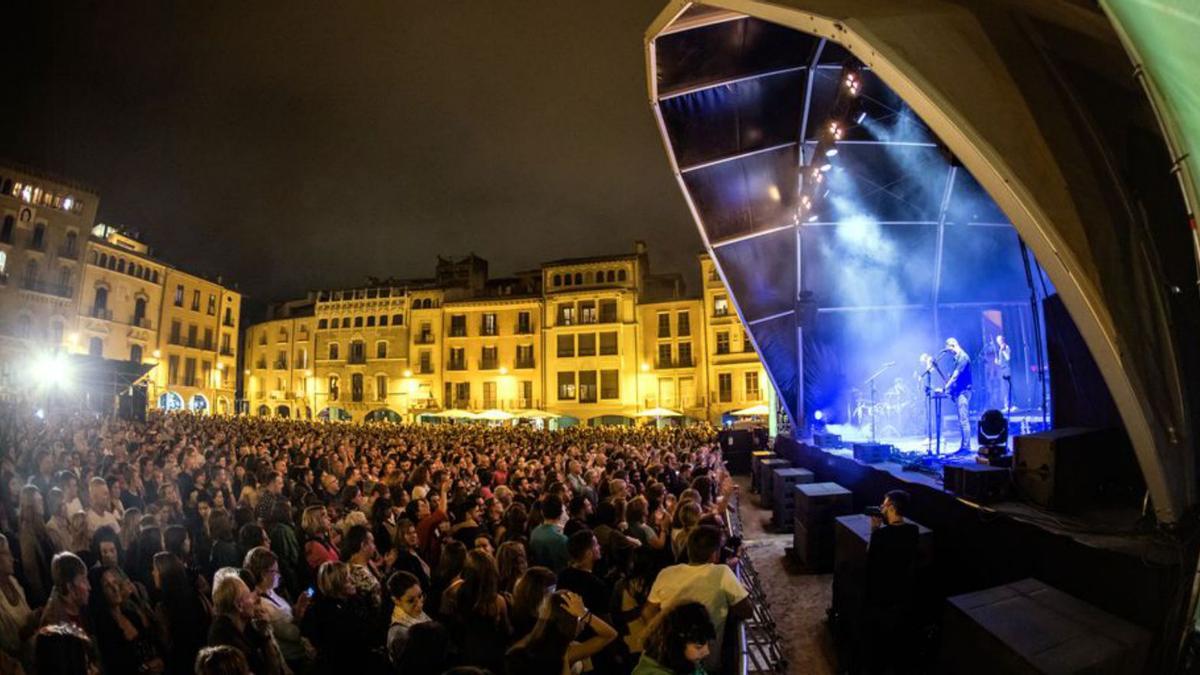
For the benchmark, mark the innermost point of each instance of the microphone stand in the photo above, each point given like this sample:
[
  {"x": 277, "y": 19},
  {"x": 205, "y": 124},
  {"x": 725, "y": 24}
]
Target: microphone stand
[{"x": 933, "y": 408}]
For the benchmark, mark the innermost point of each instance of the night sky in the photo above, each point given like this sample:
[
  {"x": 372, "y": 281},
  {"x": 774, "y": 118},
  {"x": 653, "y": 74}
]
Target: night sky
[{"x": 288, "y": 148}]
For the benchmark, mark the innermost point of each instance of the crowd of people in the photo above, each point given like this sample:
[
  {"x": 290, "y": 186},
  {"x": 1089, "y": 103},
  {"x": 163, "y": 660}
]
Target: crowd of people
[{"x": 200, "y": 544}]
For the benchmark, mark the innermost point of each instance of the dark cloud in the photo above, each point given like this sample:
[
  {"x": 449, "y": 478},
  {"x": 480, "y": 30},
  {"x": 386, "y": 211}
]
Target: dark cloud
[{"x": 288, "y": 147}]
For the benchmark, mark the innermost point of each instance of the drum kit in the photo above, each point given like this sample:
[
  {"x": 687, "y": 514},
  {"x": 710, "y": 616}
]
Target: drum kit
[{"x": 899, "y": 413}]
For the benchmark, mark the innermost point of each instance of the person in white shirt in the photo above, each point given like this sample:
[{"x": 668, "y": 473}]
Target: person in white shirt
[
  {"x": 100, "y": 511},
  {"x": 702, "y": 579}
]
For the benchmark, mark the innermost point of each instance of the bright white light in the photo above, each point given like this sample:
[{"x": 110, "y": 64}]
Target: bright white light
[
  {"x": 812, "y": 218},
  {"x": 826, "y": 166},
  {"x": 503, "y": 370},
  {"x": 68, "y": 203},
  {"x": 831, "y": 152},
  {"x": 50, "y": 370},
  {"x": 773, "y": 193},
  {"x": 818, "y": 416},
  {"x": 408, "y": 373},
  {"x": 861, "y": 116}
]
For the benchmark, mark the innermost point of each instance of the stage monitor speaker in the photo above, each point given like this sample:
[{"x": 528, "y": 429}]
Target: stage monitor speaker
[
  {"x": 1070, "y": 469},
  {"x": 826, "y": 440},
  {"x": 976, "y": 482},
  {"x": 736, "y": 446},
  {"x": 872, "y": 453}
]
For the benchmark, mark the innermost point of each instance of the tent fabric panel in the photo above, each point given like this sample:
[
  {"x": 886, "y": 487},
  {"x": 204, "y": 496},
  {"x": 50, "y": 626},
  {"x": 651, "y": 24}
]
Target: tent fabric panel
[
  {"x": 761, "y": 273},
  {"x": 736, "y": 118},
  {"x": 726, "y": 51},
  {"x": 745, "y": 195},
  {"x": 867, "y": 264},
  {"x": 777, "y": 343},
  {"x": 982, "y": 264}
]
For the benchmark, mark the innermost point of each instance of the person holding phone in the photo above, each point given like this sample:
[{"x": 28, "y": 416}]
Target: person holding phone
[{"x": 890, "y": 571}]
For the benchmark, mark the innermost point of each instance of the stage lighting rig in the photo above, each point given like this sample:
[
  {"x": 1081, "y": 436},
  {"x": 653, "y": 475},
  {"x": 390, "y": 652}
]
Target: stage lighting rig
[
  {"x": 851, "y": 78},
  {"x": 992, "y": 436}
]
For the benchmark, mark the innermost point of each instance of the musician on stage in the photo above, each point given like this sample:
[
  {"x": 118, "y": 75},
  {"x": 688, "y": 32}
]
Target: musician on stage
[
  {"x": 958, "y": 388},
  {"x": 1004, "y": 365}
]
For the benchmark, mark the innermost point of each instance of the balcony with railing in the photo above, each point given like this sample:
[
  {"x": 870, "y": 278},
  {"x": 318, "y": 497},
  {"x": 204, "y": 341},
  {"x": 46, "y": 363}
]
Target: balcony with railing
[
  {"x": 280, "y": 364},
  {"x": 141, "y": 322},
  {"x": 228, "y": 322},
  {"x": 524, "y": 364},
  {"x": 226, "y": 351},
  {"x": 458, "y": 331},
  {"x": 489, "y": 364},
  {"x": 38, "y": 286},
  {"x": 103, "y": 313},
  {"x": 424, "y": 370},
  {"x": 423, "y": 339},
  {"x": 456, "y": 364}
]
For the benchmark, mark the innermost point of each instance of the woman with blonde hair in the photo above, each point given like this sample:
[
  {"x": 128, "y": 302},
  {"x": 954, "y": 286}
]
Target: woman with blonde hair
[
  {"x": 511, "y": 561},
  {"x": 318, "y": 546},
  {"x": 340, "y": 625}
]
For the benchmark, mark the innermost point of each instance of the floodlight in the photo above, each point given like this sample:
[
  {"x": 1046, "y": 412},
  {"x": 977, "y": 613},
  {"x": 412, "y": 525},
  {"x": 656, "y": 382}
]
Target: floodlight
[{"x": 51, "y": 370}]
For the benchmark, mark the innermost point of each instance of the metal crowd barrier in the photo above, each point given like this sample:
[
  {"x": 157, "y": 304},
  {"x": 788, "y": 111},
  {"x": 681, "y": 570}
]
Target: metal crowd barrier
[{"x": 758, "y": 641}]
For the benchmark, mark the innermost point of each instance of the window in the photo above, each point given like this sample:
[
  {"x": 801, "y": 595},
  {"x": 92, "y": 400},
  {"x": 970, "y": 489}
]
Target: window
[
  {"x": 358, "y": 322},
  {"x": 195, "y": 298},
  {"x": 489, "y": 359},
  {"x": 487, "y": 324},
  {"x": 172, "y": 369},
  {"x": 621, "y": 276},
  {"x": 381, "y": 387},
  {"x": 566, "y": 314},
  {"x": 206, "y": 374},
  {"x": 383, "y": 320},
  {"x": 397, "y": 320},
  {"x": 425, "y": 337},
  {"x": 566, "y": 386},
  {"x": 608, "y": 343},
  {"x": 208, "y": 338},
  {"x": 587, "y": 386},
  {"x": 281, "y": 360},
  {"x": 334, "y": 388},
  {"x": 322, "y": 324},
  {"x": 139, "y": 311},
  {"x": 566, "y": 345},
  {"x": 179, "y": 295},
  {"x": 458, "y": 325},
  {"x": 747, "y": 345},
  {"x": 228, "y": 310},
  {"x": 135, "y": 353},
  {"x": 685, "y": 355},
  {"x": 100, "y": 303},
  {"x": 96, "y": 347},
  {"x": 212, "y": 304},
  {"x": 38, "y": 241},
  {"x": 462, "y": 395},
  {"x": 723, "y": 342},
  {"x": 578, "y": 279},
  {"x": 725, "y": 387},
  {"x": 301, "y": 354},
  {"x": 664, "y": 355},
  {"x": 567, "y": 280},
  {"x": 121, "y": 268},
  {"x": 721, "y": 306},
  {"x": 426, "y": 362},
  {"x": 523, "y": 324},
  {"x": 664, "y": 325},
  {"x": 333, "y": 351},
  {"x": 175, "y": 328},
  {"x": 458, "y": 359},
  {"x": 31, "y": 274},
  {"x": 356, "y": 387},
  {"x": 70, "y": 244},
  {"x": 610, "y": 276},
  {"x": 524, "y": 356},
  {"x": 6, "y": 232},
  {"x": 526, "y": 394},
  {"x": 189, "y": 372},
  {"x": 610, "y": 384},
  {"x": 381, "y": 349},
  {"x": 371, "y": 321},
  {"x": 752, "y": 393},
  {"x": 587, "y": 311},
  {"x": 684, "y": 322},
  {"x": 358, "y": 351},
  {"x": 587, "y": 344},
  {"x": 608, "y": 311},
  {"x": 489, "y": 394},
  {"x": 193, "y": 330},
  {"x": 64, "y": 279}
]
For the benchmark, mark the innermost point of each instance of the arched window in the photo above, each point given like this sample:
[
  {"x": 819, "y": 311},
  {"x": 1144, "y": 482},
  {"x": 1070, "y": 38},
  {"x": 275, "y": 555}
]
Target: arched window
[
  {"x": 264, "y": 411},
  {"x": 39, "y": 237},
  {"x": 121, "y": 265},
  {"x": 135, "y": 353},
  {"x": 70, "y": 244},
  {"x": 322, "y": 324},
  {"x": 154, "y": 278},
  {"x": 558, "y": 280},
  {"x": 567, "y": 280},
  {"x": 112, "y": 262},
  {"x": 333, "y": 351},
  {"x": 611, "y": 276},
  {"x": 6, "y": 231},
  {"x": 139, "y": 311},
  {"x": 64, "y": 278},
  {"x": 96, "y": 346},
  {"x": 381, "y": 387},
  {"x": 381, "y": 349},
  {"x": 100, "y": 304},
  {"x": 333, "y": 388},
  {"x": 578, "y": 279},
  {"x": 356, "y": 387},
  {"x": 104, "y": 260},
  {"x": 621, "y": 275}
]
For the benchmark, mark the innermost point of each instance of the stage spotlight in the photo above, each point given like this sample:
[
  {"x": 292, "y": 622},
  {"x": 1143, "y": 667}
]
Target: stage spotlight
[
  {"x": 826, "y": 166},
  {"x": 851, "y": 80},
  {"x": 993, "y": 430},
  {"x": 812, "y": 218},
  {"x": 50, "y": 370},
  {"x": 819, "y": 415},
  {"x": 831, "y": 152},
  {"x": 835, "y": 130}
]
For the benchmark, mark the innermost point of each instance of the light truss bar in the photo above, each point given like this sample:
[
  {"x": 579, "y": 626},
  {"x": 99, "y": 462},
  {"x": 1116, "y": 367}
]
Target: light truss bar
[{"x": 744, "y": 237}]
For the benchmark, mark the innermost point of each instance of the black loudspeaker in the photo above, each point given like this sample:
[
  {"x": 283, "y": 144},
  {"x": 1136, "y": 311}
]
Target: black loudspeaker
[
  {"x": 736, "y": 446},
  {"x": 816, "y": 507},
  {"x": 1029, "y": 628},
  {"x": 766, "y": 486},
  {"x": 826, "y": 440},
  {"x": 976, "y": 482},
  {"x": 784, "y": 482},
  {"x": 872, "y": 453},
  {"x": 131, "y": 404},
  {"x": 1069, "y": 469}
]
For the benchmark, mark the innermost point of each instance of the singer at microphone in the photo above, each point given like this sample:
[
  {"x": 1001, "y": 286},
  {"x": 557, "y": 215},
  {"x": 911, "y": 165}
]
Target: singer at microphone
[{"x": 958, "y": 388}]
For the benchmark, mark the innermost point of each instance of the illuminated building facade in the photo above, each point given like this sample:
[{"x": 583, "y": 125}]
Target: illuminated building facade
[
  {"x": 44, "y": 226},
  {"x": 197, "y": 345},
  {"x": 596, "y": 340}
]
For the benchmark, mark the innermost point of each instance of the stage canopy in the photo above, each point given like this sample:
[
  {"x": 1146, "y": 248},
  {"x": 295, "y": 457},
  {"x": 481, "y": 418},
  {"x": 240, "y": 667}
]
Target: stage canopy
[{"x": 984, "y": 126}]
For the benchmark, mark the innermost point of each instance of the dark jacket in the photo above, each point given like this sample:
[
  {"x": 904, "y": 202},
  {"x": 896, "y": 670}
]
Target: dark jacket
[
  {"x": 254, "y": 643},
  {"x": 346, "y": 634}
]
